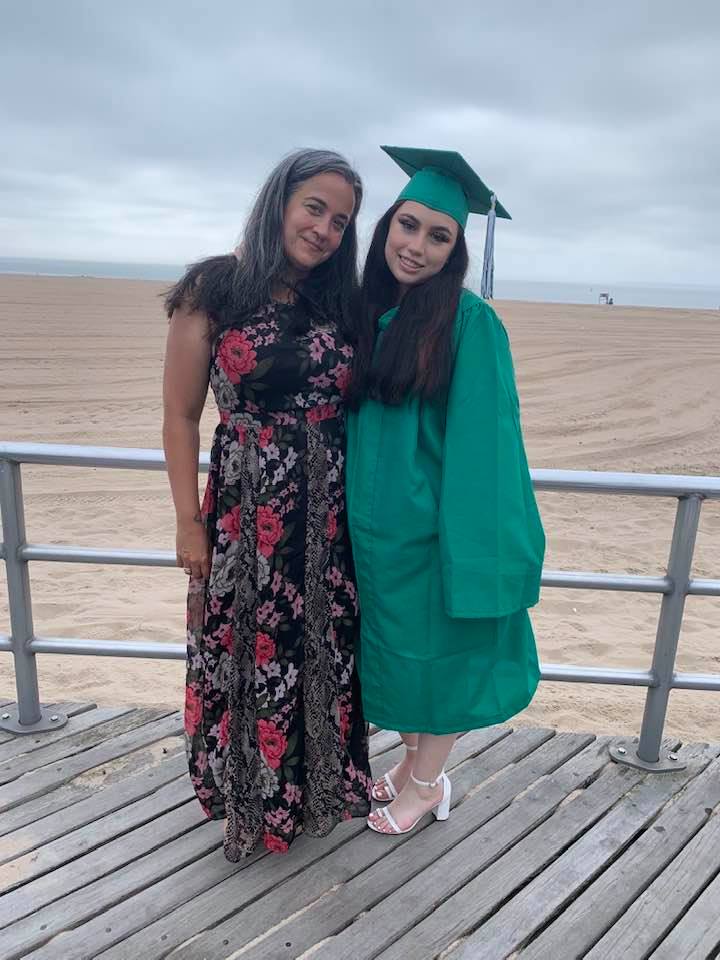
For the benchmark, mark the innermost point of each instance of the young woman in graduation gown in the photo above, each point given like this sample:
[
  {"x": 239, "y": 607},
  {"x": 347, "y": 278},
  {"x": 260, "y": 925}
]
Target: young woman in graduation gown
[{"x": 447, "y": 540}]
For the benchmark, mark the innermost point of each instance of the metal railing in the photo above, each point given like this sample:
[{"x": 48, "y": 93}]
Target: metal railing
[{"x": 660, "y": 679}]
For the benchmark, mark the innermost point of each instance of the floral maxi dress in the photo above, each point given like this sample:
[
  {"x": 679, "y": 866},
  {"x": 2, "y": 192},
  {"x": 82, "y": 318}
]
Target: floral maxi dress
[{"x": 275, "y": 734}]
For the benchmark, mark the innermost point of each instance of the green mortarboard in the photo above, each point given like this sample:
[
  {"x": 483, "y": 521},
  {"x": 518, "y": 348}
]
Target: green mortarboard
[{"x": 444, "y": 181}]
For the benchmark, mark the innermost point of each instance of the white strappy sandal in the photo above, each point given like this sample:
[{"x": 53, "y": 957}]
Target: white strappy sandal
[
  {"x": 441, "y": 810},
  {"x": 386, "y": 782}
]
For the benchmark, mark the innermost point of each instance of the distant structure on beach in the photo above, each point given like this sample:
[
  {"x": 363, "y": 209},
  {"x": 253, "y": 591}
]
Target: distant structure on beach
[{"x": 605, "y": 298}]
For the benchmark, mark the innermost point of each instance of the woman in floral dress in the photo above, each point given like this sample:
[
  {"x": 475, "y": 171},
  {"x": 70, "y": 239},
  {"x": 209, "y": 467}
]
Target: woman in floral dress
[{"x": 277, "y": 744}]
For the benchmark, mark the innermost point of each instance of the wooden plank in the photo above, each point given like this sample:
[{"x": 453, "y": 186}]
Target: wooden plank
[
  {"x": 478, "y": 741},
  {"x": 94, "y": 784},
  {"x": 390, "y": 896},
  {"x": 698, "y": 932},
  {"x": 470, "y": 745},
  {"x": 37, "y": 782},
  {"x": 153, "y": 904},
  {"x": 323, "y": 892},
  {"x": 5, "y": 735},
  {"x": 73, "y": 708},
  {"x": 34, "y": 750},
  {"x": 76, "y": 843},
  {"x": 178, "y": 817},
  {"x": 78, "y": 740},
  {"x": 87, "y": 812},
  {"x": 652, "y": 916},
  {"x": 146, "y": 854},
  {"x": 533, "y": 907},
  {"x": 482, "y": 883},
  {"x": 69, "y": 709},
  {"x": 33, "y": 896},
  {"x": 384, "y": 740},
  {"x": 591, "y": 914}
]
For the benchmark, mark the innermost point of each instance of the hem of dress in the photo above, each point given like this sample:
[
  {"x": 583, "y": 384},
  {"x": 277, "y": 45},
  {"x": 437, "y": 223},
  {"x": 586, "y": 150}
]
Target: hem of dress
[
  {"x": 355, "y": 813},
  {"x": 472, "y": 724},
  {"x": 215, "y": 817}
]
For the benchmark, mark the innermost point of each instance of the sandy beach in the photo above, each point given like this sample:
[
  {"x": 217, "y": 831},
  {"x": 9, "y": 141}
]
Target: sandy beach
[{"x": 602, "y": 388}]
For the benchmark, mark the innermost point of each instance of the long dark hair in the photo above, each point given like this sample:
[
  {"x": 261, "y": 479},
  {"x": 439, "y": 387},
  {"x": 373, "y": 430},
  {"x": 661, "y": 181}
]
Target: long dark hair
[
  {"x": 230, "y": 288},
  {"x": 415, "y": 354}
]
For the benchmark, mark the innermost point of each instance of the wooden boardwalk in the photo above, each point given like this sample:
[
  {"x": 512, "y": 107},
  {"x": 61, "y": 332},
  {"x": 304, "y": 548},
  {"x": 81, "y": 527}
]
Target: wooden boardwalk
[{"x": 552, "y": 852}]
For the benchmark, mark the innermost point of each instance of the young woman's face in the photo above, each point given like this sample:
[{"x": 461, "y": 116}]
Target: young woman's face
[
  {"x": 315, "y": 219},
  {"x": 419, "y": 242}
]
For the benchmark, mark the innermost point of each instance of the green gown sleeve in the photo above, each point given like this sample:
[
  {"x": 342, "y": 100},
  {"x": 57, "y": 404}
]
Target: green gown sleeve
[{"x": 491, "y": 538}]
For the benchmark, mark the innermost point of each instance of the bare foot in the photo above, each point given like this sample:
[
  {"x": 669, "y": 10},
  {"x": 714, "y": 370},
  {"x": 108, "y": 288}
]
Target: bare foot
[{"x": 400, "y": 774}]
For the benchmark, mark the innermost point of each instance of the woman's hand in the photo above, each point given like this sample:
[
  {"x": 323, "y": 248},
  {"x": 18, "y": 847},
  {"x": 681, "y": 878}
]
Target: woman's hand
[
  {"x": 185, "y": 384},
  {"x": 193, "y": 547}
]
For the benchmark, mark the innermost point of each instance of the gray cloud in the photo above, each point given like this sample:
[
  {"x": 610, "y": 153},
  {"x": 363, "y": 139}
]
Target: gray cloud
[{"x": 142, "y": 131}]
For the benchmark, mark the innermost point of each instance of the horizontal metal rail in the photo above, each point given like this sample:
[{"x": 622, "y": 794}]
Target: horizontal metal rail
[
  {"x": 577, "y": 481},
  {"x": 673, "y": 588},
  {"x": 704, "y": 588},
  {"x": 633, "y": 484},
  {"x": 146, "y": 649},
  {"x": 570, "y": 580},
  {"x": 70, "y": 554},
  {"x": 143, "y": 649},
  {"x": 605, "y": 581},
  {"x": 570, "y": 674},
  {"x": 76, "y": 455},
  {"x": 695, "y": 681}
]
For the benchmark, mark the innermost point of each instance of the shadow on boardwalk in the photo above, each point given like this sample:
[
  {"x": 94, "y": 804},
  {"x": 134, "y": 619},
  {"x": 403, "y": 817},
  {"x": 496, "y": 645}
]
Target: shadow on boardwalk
[{"x": 552, "y": 852}]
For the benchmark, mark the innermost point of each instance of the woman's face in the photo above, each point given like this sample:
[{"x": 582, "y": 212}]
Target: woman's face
[
  {"x": 419, "y": 242},
  {"x": 315, "y": 219}
]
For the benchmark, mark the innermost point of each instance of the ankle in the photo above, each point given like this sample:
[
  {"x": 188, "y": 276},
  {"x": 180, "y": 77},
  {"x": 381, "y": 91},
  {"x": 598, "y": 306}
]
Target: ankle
[
  {"x": 409, "y": 756},
  {"x": 425, "y": 792},
  {"x": 401, "y": 773}
]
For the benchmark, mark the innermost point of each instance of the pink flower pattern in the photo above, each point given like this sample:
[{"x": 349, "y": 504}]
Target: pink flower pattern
[{"x": 275, "y": 379}]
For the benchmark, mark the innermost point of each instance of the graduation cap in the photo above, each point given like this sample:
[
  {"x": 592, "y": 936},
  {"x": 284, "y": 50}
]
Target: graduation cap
[{"x": 443, "y": 180}]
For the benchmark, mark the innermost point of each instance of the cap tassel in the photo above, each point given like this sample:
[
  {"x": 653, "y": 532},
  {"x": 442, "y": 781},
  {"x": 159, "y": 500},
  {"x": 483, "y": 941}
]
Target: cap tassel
[{"x": 486, "y": 286}]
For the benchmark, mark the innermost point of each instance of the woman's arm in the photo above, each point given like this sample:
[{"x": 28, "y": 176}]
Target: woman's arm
[
  {"x": 491, "y": 538},
  {"x": 185, "y": 384}
]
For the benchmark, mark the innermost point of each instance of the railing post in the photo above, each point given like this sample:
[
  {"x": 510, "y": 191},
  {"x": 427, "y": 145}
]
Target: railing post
[
  {"x": 28, "y": 716},
  {"x": 647, "y": 755}
]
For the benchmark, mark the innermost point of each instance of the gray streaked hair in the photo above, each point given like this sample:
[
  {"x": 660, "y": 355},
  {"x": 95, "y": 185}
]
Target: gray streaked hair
[
  {"x": 261, "y": 247},
  {"x": 231, "y": 288}
]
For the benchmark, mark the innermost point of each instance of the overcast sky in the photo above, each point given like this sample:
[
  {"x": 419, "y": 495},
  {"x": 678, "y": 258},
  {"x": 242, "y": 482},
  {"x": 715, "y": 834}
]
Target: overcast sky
[{"x": 141, "y": 131}]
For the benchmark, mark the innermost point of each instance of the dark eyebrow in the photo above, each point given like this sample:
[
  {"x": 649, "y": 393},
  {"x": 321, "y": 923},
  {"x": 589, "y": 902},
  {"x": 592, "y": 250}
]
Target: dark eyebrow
[
  {"x": 438, "y": 226},
  {"x": 323, "y": 204}
]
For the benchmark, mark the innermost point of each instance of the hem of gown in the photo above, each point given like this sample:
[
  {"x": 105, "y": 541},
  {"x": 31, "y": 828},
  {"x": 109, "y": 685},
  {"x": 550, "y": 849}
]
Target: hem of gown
[
  {"x": 473, "y": 723},
  {"x": 349, "y": 813},
  {"x": 238, "y": 856},
  {"x": 215, "y": 817}
]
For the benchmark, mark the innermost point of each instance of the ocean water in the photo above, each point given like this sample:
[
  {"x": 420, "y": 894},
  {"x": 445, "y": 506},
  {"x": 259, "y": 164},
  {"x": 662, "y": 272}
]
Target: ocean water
[
  {"x": 624, "y": 294},
  {"x": 91, "y": 268}
]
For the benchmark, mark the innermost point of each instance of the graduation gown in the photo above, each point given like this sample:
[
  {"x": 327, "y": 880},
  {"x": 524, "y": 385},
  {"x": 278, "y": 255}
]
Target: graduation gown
[{"x": 447, "y": 542}]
